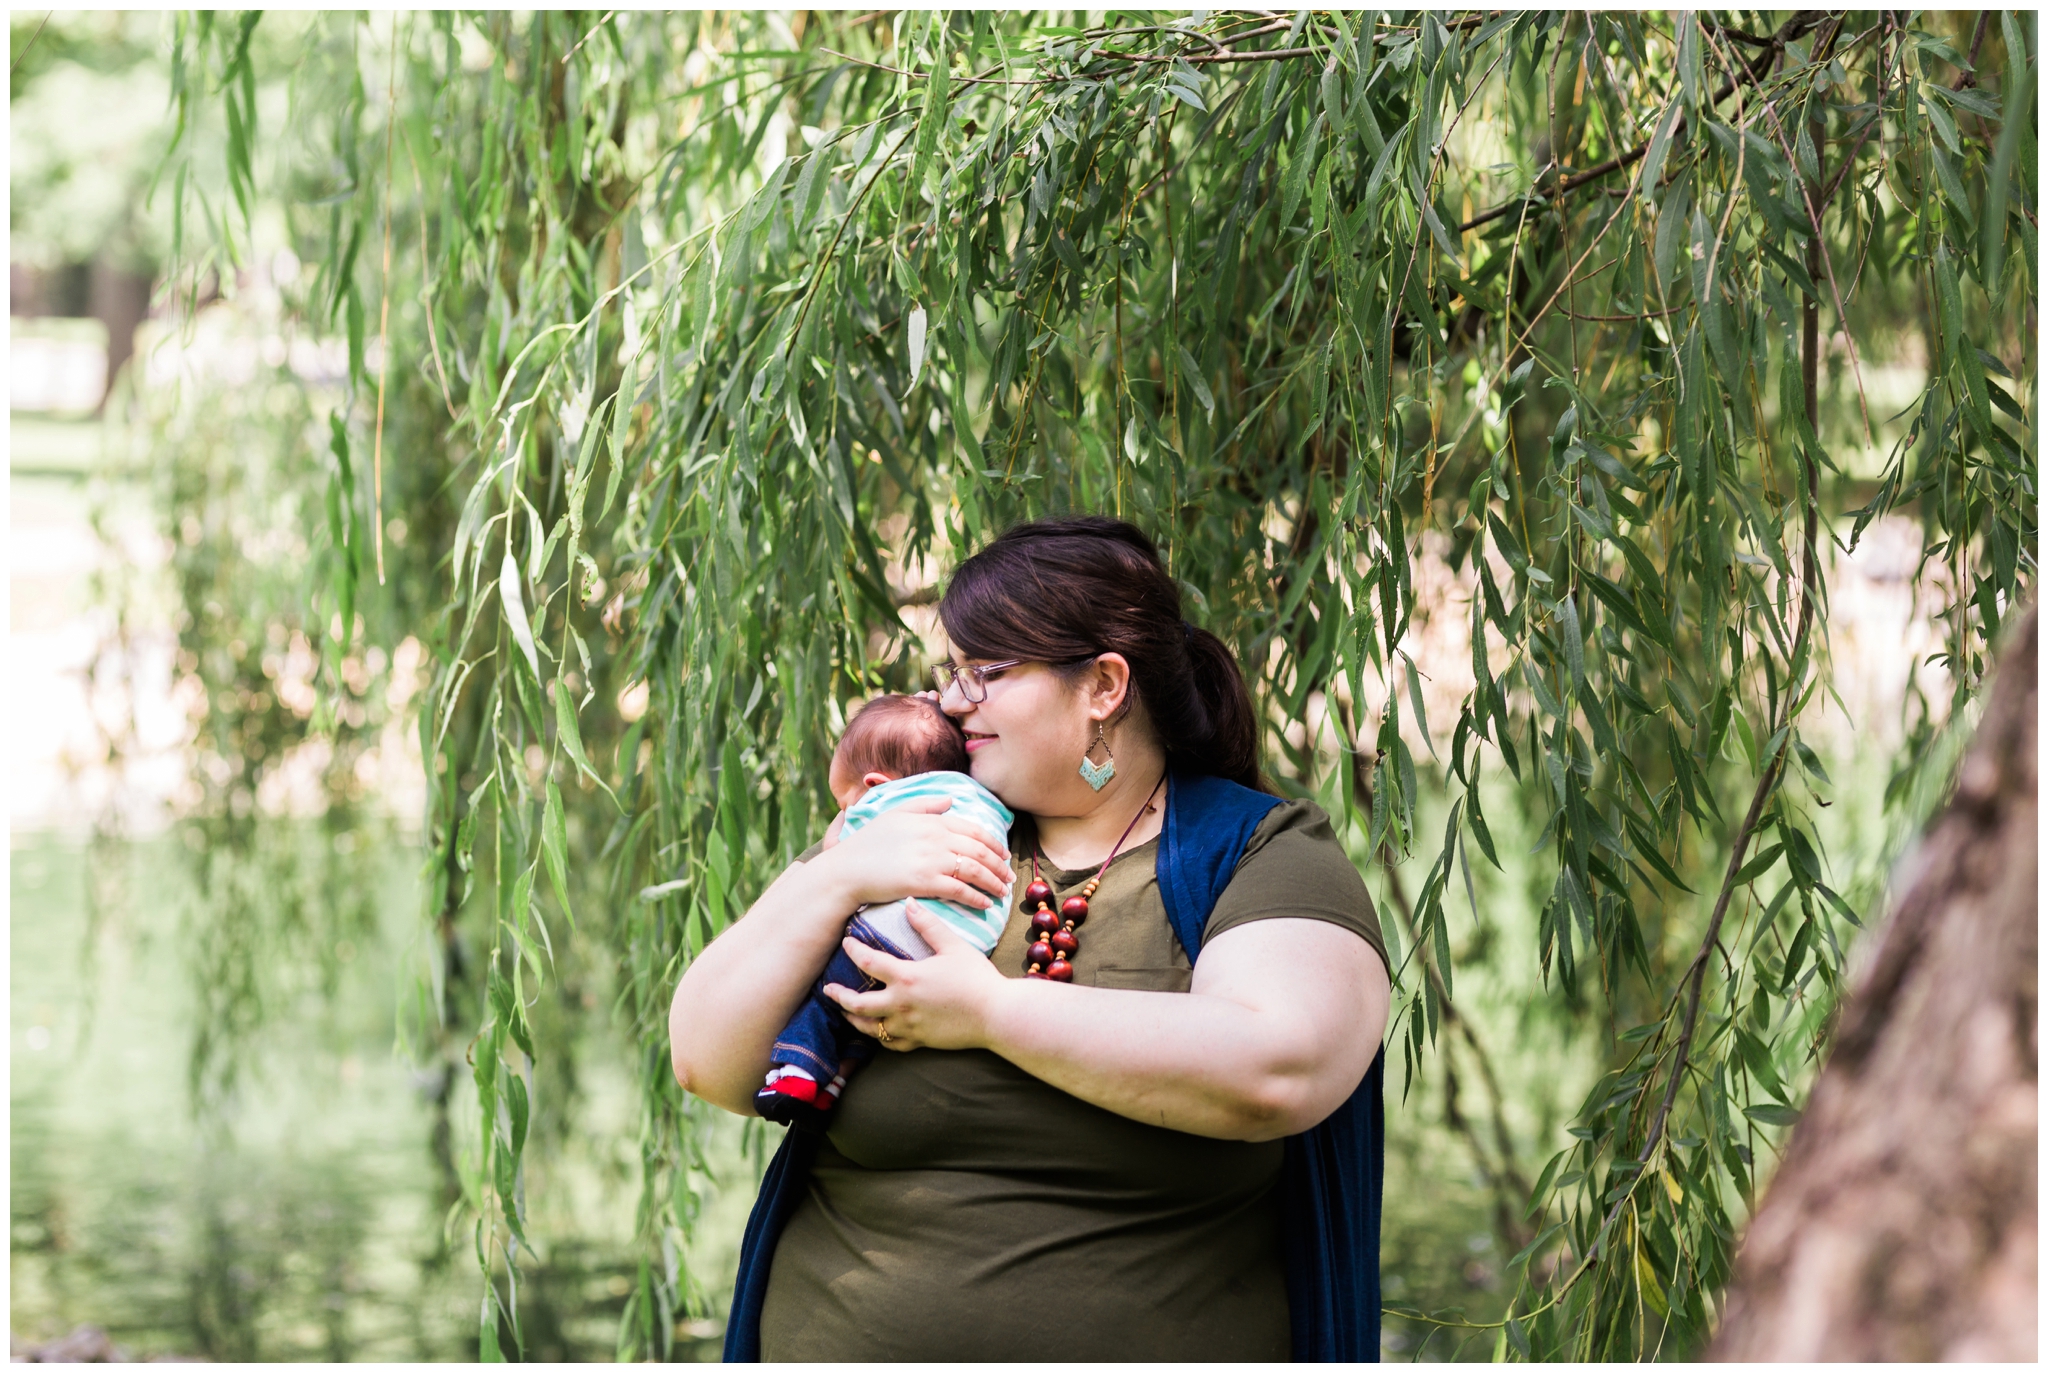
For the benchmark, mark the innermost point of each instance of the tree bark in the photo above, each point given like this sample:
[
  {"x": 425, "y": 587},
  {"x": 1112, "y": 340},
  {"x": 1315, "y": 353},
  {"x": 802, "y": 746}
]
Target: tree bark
[{"x": 1901, "y": 1224}]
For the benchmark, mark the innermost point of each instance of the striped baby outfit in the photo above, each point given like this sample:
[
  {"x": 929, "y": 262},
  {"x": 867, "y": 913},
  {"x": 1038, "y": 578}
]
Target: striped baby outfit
[{"x": 972, "y": 802}]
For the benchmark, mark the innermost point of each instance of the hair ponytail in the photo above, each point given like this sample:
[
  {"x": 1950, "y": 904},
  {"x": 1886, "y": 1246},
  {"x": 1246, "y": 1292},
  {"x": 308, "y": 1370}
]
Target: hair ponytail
[
  {"x": 1063, "y": 590},
  {"x": 1231, "y": 745}
]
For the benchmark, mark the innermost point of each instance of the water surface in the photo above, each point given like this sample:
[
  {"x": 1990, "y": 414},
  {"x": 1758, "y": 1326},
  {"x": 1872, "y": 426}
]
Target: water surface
[{"x": 300, "y": 1216}]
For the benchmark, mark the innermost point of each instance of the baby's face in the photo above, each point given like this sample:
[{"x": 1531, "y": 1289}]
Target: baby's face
[{"x": 849, "y": 786}]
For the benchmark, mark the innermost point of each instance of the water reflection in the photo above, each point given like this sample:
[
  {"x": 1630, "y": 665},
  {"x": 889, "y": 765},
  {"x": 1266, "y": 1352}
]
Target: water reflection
[{"x": 303, "y": 1218}]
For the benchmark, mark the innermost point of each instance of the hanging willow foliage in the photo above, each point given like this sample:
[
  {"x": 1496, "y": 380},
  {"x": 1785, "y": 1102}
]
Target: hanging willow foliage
[{"x": 693, "y": 349}]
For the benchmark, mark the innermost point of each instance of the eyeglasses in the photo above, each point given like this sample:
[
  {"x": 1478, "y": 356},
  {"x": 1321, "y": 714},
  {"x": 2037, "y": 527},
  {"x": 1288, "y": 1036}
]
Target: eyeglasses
[{"x": 972, "y": 681}]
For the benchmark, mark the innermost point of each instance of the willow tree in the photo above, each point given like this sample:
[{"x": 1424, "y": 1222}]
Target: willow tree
[{"x": 694, "y": 348}]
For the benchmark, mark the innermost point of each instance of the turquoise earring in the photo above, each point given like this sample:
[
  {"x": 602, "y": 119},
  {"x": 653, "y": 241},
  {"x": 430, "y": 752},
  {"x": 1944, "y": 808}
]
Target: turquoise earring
[{"x": 1097, "y": 775}]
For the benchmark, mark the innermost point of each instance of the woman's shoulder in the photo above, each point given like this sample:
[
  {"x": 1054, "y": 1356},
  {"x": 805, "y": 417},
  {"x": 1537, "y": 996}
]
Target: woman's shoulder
[
  {"x": 1297, "y": 816},
  {"x": 1295, "y": 866}
]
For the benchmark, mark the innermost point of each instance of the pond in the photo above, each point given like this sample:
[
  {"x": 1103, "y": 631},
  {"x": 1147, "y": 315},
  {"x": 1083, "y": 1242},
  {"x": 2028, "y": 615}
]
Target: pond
[{"x": 301, "y": 1216}]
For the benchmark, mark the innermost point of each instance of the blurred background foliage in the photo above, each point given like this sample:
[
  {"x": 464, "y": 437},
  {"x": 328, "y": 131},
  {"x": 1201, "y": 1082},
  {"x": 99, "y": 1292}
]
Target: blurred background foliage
[{"x": 1608, "y": 440}]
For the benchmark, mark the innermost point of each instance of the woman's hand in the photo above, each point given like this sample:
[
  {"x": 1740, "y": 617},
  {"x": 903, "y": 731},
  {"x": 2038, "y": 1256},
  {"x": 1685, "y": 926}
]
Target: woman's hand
[
  {"x": 736, "y": 995},
  {"x": 917, "y": 850},
  {"x": 941, "y": 1002}
]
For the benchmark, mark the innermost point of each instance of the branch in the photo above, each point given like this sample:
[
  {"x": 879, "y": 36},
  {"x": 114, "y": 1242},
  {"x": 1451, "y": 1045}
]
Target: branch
[
  {"x": 427, "y": 291},
  {"x": 1796, "y": 25},
  {"x": 1976, "y": 45},
  {"x": 1158, "y": 28},
  {"x": 1510, "y": 1186},
  {"x": 1571, "y": 273},
  {"x": 983, "y": 80},
  {"x": 1876, "y": 122},
  {"x": 1570, "y": 184},
  {"x": 845, "y": 220},
  {"x": 1223, "y": 54},
  {"x": 1620, "y": 319},
  {"x": 1696, "y": 973},
  {"x": 1818, "y": 256},
  {"x": 608, "y": 17},
  {"x": 1751, "y": 39},
  {"x": 16, "y": 64}
]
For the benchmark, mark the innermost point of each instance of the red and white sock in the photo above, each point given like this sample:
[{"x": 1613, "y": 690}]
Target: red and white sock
[{"x": 795, "y": 1082}]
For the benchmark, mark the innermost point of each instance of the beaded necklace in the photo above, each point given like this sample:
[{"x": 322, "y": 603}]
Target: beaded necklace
[{"x": 1053, "y": 941}]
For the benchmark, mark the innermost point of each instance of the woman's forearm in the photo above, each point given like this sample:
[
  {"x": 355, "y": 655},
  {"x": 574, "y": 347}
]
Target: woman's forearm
[
  {"x": 741, "y": 990},
  {"x": 1194, "y": 1063},
  {"x": 737, "y": 994},
  {"x": 1266, "y": 1049}
]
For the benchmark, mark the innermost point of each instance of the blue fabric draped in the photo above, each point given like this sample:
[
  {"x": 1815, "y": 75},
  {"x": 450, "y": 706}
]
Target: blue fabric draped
[
  {"x": 782, "y": 1188},
  {"x": 1330, "y": 1179}
]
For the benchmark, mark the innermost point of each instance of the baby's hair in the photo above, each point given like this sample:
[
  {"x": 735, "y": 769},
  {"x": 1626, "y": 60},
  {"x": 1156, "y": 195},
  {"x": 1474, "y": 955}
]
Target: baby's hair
[{"x": 902, "y": 735}]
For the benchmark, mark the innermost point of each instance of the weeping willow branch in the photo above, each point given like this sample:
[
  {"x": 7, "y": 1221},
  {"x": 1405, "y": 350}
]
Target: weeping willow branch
[
  {"x": 384, "y": 312},
  {"x": 1751, "y": 73},
  {"x": 1696, "y": 971},
  {"x": 716, "y": 482},
  {"x": 1504, "y": 1175}
]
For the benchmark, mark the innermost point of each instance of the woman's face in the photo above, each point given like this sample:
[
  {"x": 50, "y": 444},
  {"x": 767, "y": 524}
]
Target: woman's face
[{"x": 1025, "y": 742}]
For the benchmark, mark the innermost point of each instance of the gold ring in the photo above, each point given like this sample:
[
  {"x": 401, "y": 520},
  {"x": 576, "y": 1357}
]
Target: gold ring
[{"x": 884, "y": 1029}]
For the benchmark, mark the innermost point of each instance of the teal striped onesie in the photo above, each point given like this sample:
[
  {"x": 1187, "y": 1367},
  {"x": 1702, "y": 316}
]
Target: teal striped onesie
[{"x": 972, "y": 802}]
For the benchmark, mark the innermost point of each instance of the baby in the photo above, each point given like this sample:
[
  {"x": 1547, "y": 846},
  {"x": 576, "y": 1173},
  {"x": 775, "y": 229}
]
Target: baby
[{"x": 897, "y": 749}]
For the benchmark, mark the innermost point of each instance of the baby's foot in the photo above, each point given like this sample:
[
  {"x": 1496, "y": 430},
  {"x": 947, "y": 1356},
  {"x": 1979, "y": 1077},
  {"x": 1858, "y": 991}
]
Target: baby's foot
[{"x": 791, "y": 1094}]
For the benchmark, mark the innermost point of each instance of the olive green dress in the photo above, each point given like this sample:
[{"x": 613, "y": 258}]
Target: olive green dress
[{"x": 961, "y": 1209}]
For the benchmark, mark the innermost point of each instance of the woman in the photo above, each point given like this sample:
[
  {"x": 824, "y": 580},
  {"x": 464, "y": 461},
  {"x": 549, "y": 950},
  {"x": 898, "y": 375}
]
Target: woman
[{"x": 1103, "y": 1169}]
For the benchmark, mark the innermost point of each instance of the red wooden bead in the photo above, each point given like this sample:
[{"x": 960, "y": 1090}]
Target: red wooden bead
[
  {"x": 1075, "y": 908},
  {"x": 1044, "y": 922},
  {"x": 1038, "y": 893},
  {"x": 1041, "y": 952},
  {"x": 1063, "y": 944},
  {"x": 1060, "y": 971}
]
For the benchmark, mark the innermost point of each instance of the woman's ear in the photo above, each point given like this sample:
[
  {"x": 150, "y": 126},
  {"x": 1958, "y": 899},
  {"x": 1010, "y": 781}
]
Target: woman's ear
[{"x": 1109, "y": 687}]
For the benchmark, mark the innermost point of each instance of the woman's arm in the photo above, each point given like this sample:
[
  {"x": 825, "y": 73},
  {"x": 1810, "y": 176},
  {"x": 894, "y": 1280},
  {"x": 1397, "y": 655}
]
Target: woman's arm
[
  {"x": 741, "y": 990},
  {"x": 1282, "y": 1020}
]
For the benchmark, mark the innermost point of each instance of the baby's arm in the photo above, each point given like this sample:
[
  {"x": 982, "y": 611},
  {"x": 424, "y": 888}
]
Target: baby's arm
[{"x": 832, "y": 832}]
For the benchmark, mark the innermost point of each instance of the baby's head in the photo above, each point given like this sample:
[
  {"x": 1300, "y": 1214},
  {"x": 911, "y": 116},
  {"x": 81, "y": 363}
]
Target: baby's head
[{"x": 892, "y": 737}]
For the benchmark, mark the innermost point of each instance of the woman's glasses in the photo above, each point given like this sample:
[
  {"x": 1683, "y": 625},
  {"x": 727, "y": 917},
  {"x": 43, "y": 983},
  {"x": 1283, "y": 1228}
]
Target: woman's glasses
[{"x": 972, "y": 681}]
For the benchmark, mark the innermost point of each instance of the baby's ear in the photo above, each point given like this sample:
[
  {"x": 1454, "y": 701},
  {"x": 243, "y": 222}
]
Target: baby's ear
[{"x": 875, "y": 779}]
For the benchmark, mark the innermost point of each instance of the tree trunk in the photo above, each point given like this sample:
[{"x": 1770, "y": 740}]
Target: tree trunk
[{"x": 1901, "y": 1224}]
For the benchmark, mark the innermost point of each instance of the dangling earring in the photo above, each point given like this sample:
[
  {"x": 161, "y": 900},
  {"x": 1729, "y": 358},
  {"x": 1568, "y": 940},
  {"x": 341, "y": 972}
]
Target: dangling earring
[{"x": 1097, "y": 775}]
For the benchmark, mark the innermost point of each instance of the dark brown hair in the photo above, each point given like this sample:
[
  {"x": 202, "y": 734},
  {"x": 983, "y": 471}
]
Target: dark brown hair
[
  {"x": 1065, "y": 591},
  {"x": 902, "y": 735}
]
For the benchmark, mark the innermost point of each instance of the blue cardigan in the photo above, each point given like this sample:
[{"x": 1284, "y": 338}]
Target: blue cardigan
[{"x": 1330, "y": 1179}]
